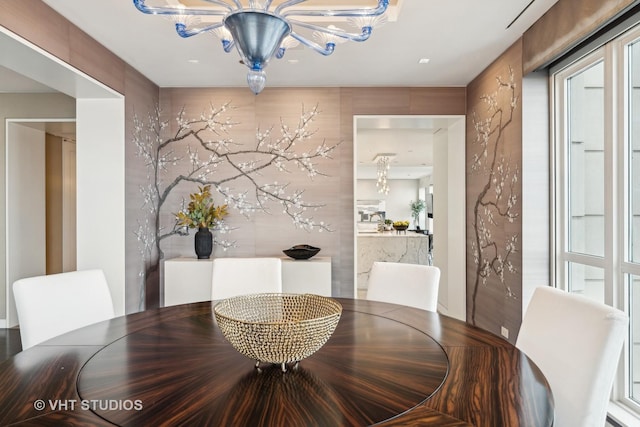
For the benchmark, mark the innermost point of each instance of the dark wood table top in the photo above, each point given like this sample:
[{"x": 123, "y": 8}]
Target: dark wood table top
[{"x": 385, "y": 364}]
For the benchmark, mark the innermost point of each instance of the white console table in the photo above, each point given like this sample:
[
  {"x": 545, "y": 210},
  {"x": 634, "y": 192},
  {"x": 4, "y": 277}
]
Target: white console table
[
  {"x": 311, "y": 276},
  {"x": 188, "y": 279}
]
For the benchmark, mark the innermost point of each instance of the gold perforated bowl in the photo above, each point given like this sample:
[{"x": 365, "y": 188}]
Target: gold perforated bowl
[{"x": 277, "y": 328}]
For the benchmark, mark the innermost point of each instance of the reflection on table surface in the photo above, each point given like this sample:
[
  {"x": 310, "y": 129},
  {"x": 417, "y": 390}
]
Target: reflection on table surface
[{"x": 384, "y": 364}]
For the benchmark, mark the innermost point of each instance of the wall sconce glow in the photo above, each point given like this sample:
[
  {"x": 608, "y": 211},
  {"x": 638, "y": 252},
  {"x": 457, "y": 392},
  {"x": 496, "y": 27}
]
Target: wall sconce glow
[{"x": 261, "y": 31}]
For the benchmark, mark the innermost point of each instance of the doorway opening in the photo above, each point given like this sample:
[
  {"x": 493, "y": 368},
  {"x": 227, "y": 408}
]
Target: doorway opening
[
  {"x": 426, "y": 163},
  {"x": 100, "y": 190}
]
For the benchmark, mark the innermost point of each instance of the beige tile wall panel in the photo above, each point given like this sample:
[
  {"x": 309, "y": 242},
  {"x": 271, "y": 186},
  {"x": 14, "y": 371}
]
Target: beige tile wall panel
[
  {"x": 438, "y": 100},
  {"x": 141, "y": 96},
  {"x": 409, "y": 100},
  {"x": 391, "y": 100},
  {"x": 563, "y": 26},
  {"x": 277, "y": 230},
  {"x": 268, "y": 234},
  {"x": 54, "y": 203},
  {"x": 91, "y": 57},
  {"x": 504, "y": 310},
  {"x": 346, "y": 273},
  {"x": 38, "y": 23},
  {"x": 35, "y": 21}
]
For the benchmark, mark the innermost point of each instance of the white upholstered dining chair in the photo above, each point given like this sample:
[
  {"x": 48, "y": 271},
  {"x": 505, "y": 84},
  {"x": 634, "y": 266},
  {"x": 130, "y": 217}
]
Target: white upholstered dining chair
[
  {"x": 51, "y": 305},
  {"x": 240, "y": 276},
  {"x": 576, "y": 343},
  {"x": 413, "y": 285}
]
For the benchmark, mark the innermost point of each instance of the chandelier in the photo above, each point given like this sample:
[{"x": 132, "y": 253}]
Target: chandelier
[
  {"x": 262, "y": 30},
  {"x": 383, "y": 162}
]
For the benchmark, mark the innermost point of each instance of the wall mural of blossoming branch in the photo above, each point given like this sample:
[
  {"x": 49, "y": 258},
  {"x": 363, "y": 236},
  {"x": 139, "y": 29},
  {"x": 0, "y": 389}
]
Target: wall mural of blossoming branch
[
  {"x": 494, "y": 205},
  {"x": 202, "y": 151}
]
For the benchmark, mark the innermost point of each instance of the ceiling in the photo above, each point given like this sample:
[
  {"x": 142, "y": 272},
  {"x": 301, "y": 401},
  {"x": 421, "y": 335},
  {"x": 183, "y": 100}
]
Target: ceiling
[
  {"x": 64, "y": 129},
  {"x": 10, "y": 81},
  {"x": 408, "y": 140},
  {"x": 459, "y": 37}
]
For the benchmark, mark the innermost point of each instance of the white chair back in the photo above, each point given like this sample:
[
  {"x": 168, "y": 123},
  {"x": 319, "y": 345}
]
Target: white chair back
[
  {"x": 51, "y": 305},
  {"x": 241, "y": 276},
  {"x": 413, "y": 285},
  {"x": 576, "y": 343}
]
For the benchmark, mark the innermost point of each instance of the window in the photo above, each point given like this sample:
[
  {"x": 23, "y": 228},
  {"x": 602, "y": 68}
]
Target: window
[
  {"x": 630, "y": 46},
  {"x": 581, "y": 152},
  {"x": 597, "y": 188}
]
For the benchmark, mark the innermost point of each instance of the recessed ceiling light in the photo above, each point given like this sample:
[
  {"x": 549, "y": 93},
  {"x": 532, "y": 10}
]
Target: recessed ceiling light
[{"x": 423, "y": 61}]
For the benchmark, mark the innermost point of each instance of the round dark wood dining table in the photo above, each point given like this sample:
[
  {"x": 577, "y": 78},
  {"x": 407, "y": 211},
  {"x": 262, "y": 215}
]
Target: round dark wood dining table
[{"x": 385, "y": 364}]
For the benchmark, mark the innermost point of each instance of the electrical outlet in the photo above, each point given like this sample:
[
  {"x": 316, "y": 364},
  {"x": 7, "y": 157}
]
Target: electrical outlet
[{"x": 505, "y": 332}]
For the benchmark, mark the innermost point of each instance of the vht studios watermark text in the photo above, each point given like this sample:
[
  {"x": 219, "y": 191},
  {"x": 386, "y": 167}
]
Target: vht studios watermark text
[{"x": 88, "y": 405}]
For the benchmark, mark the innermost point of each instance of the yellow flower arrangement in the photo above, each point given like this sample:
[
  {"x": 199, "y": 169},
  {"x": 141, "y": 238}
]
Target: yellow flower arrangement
[{"x": 201, "y": 211}]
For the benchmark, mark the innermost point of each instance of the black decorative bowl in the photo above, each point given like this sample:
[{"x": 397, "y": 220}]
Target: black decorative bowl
[{"x": 301, "y": 251}]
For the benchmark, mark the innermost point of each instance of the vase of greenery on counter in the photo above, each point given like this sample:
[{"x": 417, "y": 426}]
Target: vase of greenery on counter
[
  {"x": 417, "y": 207},
  {"x": 203, "y": 214}
]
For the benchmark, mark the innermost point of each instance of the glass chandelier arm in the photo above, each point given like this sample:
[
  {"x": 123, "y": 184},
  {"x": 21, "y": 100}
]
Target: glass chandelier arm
[
  {"x": 161, "y": 10},
  {"x": 228, "y": 45},
  {"x": 376, "y": 11},
  {"x": 286, "y": 4},
  {"x": 267, "y": 4},
  {"x": 184, "y": 32},
  {"x": 260, "y": 34},
  {"x": 223, "y": 3},
  {"x": 327, "y": 50},
  {"x": 225, "y": 37},
  {"x": 364, "y": 35},
  {"x": 287, "y": 43}
]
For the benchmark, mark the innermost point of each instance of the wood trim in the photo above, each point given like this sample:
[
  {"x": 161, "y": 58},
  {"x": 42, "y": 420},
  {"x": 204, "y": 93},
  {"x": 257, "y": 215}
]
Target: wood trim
[
  {"x": 408, "y": 100},
  {"x": 53, "y": 197},
  {"x": 36, "y": 22},
  {"x": 91, "y": 57},
  {"x": 567, "y": 23}
]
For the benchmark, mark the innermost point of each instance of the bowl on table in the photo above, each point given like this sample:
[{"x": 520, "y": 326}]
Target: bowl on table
[
  {"x": 277, "y": 328},
  {"x": 400, "y": 225},
  {"x": 301, "y": 251}
]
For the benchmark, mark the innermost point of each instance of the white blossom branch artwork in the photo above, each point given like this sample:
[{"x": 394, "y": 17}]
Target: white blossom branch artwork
[
  {"x": 234, "y": 170},
  {"x": 497, "y": 202}
]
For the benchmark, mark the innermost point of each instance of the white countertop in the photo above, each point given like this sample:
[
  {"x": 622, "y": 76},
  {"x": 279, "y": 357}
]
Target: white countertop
[{"x": 392, "y": 234}]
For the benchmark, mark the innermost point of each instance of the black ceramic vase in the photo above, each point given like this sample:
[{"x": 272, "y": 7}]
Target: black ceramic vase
[{"x": 203, "y": 243}]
